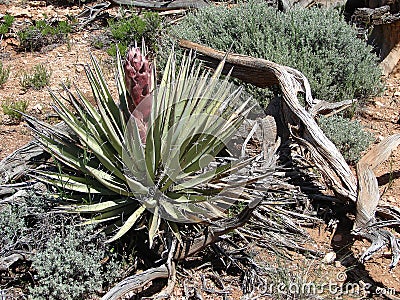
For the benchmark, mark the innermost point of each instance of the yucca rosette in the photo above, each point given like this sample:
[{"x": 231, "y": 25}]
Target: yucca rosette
[{"x": 155, "y": 161}]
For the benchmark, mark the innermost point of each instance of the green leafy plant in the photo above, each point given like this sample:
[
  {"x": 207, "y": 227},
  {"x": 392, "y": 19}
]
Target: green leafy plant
[
  {"x": 6, "y": 25},
  {"x": 135, "y": 28},
  {"x": 112, "y": 50},
  {"x": 37, "y": 79},
  {"x": 4, "y": 74},
  {"x": 348, "y": 136},
  {"x": 317, "y": 42},
  {"x": 35, "y": 37},
  {"x": 154, "y": 154},
  {"x": 14, "y": 108},
  {"x": 70, "y": 265}
]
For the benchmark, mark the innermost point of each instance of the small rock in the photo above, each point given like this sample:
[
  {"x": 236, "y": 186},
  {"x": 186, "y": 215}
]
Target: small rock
[
  {"x": 338, "y": 264},
  {"x": 396, "y": 94},
  {"x": 329, "y": 258},
  {"x": 38, "y": 108},
  {"x": 80, "y": 68},
  {"x": 377, "y": 103},
  {"x": 380, "y": 138}
]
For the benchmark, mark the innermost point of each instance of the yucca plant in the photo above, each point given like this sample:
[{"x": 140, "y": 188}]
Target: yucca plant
[{"x": 152, "y": 157}]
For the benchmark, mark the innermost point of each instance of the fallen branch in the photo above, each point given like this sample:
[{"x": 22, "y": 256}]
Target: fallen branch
[
  {"x": 163, "y": 5},
  {"x": 368, "y": 198},
  {"x": 7, "y": 262},
  {"x": 92, "y": 13},
  {"x": 30, "y": 156},
  {"x": 264, "y": 73},
  {"x": 136, "y": 282}
]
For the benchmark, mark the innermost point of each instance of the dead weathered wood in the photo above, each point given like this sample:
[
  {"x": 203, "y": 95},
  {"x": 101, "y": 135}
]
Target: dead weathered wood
[
  {"x": 379, "y": 22},
  {"x": 163, "y": 5},
  {"x": 30, "y": 156},
  {"x": 136, "y": 282},
  {"x": 16, "y": 165},
  {"x": 368, "y": 198},
  {"x": 391, "y": 60},
  {"x": 264, "y": 73},
  {"x": 92, "y": 13},
  {"x": 8, "y": 261},
  {"x": 213, "y": 232},
  {"x": 368, "y": 190}
]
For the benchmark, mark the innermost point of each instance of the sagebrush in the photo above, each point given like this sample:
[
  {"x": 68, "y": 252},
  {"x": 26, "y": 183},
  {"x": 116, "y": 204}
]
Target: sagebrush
[
  {"x": 317, "y": 42},
  {"x": 349, "y": 136},
  {"x": 70, "y": 266},
  {"x": 68, "y": 261},
  {"x": 12, "y": 226}
]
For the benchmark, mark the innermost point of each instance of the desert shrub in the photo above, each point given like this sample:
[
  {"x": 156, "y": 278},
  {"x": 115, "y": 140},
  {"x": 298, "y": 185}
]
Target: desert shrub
[
  {"x": 349, "y": 136},
  {"x": 12, "y": 226},
  {"x": 68, "y": 261},
  {"x": 37, "y": 79},
  {"x": 315, "y": 41},
  {"x": 4, "y": 74},
  {"x": 7, "y": 22},
  {"x": 19, "y": 229},
  {"x": 125, "y": 31},
  {"x": 14, "y": 109},
  {"x": 70, "y": 266},
  {"x": 41, "y": 34}
]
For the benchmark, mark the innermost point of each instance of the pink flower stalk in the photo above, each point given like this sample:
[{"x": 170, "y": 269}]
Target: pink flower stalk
[{"x": 138, "y": 83}]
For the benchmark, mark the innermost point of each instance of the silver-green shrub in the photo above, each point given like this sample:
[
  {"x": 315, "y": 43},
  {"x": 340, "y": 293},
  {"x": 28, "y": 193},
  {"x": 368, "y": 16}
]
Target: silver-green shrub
[
  {"x": 12, "y": 226},
  {"x": 317, "y": 42},
  {"x": 68, "y": 262},
  {"x": 349, "y": 136},
  {"x": 70, "y": 266}
]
